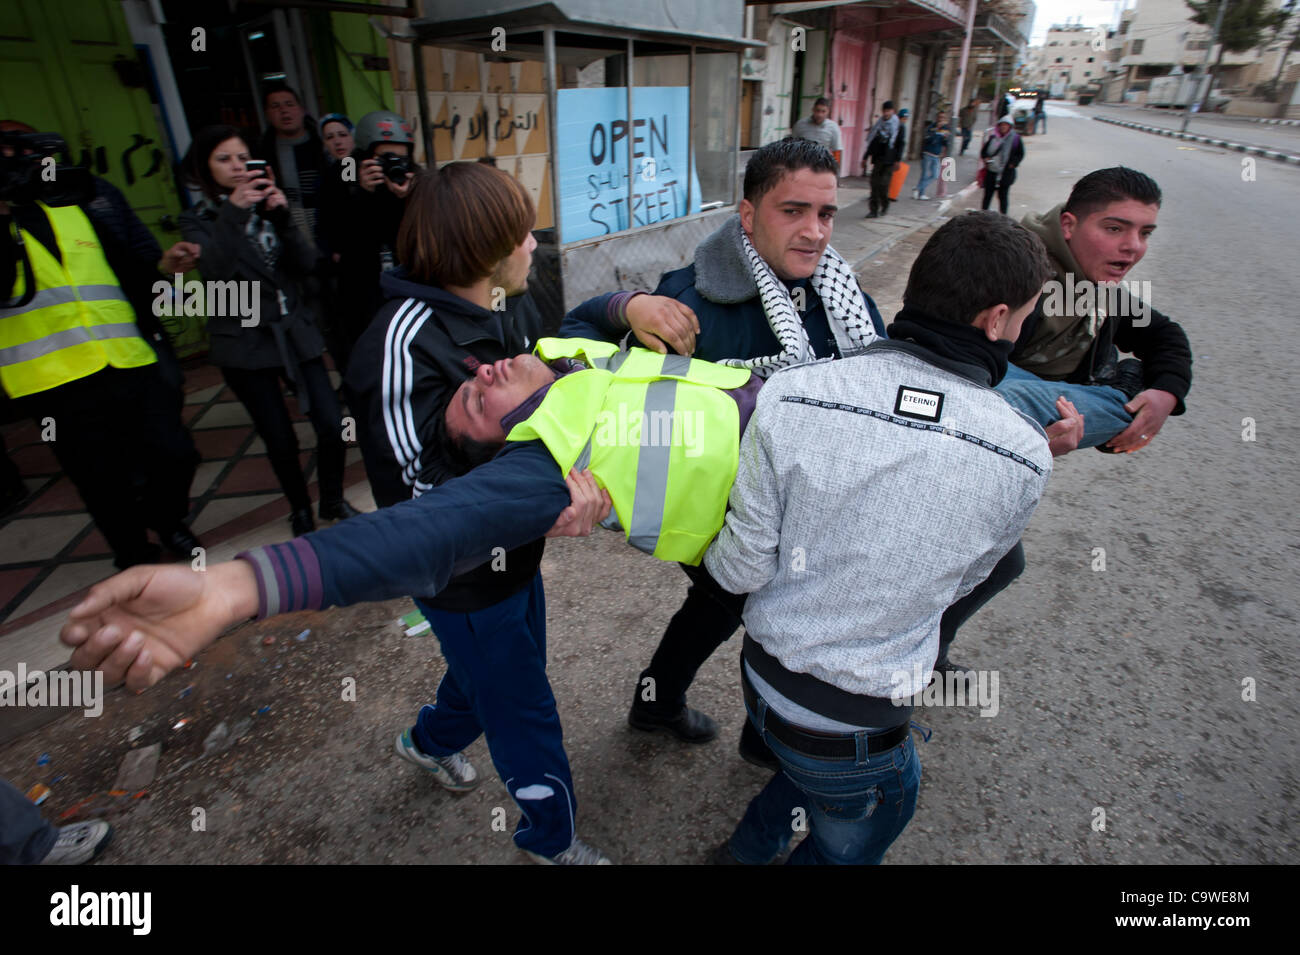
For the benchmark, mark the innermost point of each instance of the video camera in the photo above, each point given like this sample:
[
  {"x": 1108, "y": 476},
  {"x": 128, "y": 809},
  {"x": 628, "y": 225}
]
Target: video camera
[
  {"x": 27, "y": 175},
  {"x": 396, "y": 168}
]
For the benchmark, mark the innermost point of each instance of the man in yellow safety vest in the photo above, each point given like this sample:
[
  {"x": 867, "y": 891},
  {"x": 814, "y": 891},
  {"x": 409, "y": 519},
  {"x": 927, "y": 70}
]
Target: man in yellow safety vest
[{"x": 73, "y": 358}]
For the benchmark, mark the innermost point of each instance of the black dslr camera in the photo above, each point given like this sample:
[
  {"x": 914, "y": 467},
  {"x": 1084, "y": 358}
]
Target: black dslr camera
[
  {"x": 30, "y": 171},
  {"x": 395, "y": 168}
]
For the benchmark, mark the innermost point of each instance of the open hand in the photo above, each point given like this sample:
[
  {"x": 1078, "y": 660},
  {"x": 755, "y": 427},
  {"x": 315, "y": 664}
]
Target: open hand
[
  {"x": 1063, "y": 436},
  {"x": 143, "y": 623}
]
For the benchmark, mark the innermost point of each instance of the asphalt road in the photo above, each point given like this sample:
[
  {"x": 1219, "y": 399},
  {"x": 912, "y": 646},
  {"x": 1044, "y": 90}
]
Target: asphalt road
[
  {"x": 1235, "y": 129},
  {"x": 1119, "y": 690}
]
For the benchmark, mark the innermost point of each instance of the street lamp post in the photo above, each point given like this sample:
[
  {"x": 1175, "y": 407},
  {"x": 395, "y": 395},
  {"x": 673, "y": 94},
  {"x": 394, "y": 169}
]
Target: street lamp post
[{"x": 1205, "y": 65}]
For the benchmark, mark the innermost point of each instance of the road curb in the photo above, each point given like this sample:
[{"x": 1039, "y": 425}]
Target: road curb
[
  {"x": 1208, "y": 140},
  {"x": 883, "y": 247}
]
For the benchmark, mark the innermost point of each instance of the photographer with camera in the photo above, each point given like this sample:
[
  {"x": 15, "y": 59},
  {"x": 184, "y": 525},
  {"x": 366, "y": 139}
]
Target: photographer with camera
[
  {"x": 359, "y": 219},
  {"x": 73, "y": 356},
  {"x": 245, "y": 233}
]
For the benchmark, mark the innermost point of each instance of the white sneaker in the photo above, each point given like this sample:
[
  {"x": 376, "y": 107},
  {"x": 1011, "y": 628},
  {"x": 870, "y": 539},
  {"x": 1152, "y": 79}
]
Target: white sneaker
[
  {"x": 452, "y": 772},
  {"x": 578, "y": 853},
  {"x": 79, "y": 843}
]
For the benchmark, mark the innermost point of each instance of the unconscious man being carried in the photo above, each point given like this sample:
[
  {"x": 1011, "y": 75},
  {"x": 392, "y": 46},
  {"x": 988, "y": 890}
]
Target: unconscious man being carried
[{"x": 899, "y": 475}]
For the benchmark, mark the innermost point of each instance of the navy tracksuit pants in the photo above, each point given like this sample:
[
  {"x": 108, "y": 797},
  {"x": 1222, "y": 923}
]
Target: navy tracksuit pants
[{"x": 496, "y": 686}]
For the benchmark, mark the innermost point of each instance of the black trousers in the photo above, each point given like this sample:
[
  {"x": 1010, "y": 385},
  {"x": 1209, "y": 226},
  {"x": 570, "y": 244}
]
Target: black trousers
[
  {"x": 259, "y": 391},
  {"x": 880, "y": 176},
  {"x": 999, "y": 183},
  {"x": 710, "y": 615},
  {"x": 119, "y": 438}
]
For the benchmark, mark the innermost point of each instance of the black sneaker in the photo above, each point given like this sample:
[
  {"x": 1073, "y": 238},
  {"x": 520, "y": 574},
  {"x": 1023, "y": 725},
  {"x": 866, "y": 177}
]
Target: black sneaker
[
  {"x": 1128, "y": 378},
  {"x": 181, "y": 542},
  {"x": 688, "y": 725},
  {"x": 339, "y": 510},
  {"x": 301, "y": 521}
]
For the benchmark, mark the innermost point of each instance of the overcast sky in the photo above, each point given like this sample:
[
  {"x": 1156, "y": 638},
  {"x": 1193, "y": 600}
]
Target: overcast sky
[{"x": 1093, "y": 13}]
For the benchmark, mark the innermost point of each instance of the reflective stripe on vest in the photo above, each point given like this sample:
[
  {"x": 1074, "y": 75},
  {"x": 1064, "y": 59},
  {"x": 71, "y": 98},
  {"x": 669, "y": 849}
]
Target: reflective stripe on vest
[
  {"x": 652, "y": 469},
  {"x": 658, "y": 432},
  {"x": 66, "y": 339},
  {"x": 61, "y": 296}
]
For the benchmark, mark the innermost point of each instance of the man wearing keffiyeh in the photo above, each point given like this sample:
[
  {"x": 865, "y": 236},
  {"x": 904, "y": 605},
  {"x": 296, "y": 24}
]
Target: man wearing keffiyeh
[{"x": 766, "y": 291}]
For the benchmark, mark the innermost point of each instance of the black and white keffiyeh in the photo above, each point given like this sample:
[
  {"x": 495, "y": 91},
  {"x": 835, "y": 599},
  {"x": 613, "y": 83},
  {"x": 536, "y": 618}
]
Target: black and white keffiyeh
[{"x": 846, "y": 312}]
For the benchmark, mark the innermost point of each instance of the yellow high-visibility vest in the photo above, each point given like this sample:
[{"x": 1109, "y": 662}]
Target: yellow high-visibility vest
[
  {"x": 656, "y": 431},
  {"x": 79, "y": 320}
]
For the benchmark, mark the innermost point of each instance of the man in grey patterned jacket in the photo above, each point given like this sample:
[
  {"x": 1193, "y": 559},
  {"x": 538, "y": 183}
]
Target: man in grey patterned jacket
[{"x": 873, "y": 493}]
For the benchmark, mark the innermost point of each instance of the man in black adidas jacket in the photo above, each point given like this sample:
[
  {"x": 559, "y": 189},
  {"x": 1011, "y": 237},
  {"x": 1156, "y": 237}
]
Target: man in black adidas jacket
[{"x": 465, "y": 246}]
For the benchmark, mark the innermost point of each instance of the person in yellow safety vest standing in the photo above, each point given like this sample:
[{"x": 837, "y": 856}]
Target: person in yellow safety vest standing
[{"x": 73, "y": 359}]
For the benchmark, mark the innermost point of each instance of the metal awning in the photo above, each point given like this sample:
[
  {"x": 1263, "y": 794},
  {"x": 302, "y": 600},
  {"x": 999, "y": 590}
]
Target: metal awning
[{"x": 470, "y": 23}]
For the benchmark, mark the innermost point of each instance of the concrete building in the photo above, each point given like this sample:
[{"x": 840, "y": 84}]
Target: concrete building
[
  {"x": 1157, "y": 35},
  {"x": 1071, "y": 56}
]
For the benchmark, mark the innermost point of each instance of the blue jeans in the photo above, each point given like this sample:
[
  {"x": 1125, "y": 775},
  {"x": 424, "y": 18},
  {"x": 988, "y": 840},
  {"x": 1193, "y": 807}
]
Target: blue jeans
[
  {"x": 854, "y": 808},
  {"x": 929, "y": 172},
  {"x": 1040, "y": 118},
  {"x": 1102, "y": 407},
  {"x": 25, "y": 838},
  {"x": 496, "y": 686}
]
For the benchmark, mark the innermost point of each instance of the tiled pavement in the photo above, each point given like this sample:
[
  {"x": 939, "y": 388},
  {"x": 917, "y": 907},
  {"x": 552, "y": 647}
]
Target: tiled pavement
[{"x": 50, "y": 551}]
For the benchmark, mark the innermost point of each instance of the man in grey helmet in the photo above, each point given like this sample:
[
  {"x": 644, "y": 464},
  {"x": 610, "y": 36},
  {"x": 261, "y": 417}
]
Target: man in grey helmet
[{"x": 362, "y": 203}]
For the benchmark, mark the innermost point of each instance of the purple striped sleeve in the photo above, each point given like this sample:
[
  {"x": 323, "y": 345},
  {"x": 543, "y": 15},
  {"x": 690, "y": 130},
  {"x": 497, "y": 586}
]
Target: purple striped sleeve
[
  {"x": 616, "y": 308},
  {"x": 288, "y": 577}
]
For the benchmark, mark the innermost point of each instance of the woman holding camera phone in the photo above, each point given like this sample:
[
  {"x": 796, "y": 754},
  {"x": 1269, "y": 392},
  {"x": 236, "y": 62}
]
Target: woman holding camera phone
[
  {"x": 360, "y": 214},
  {"x": 246, "y": 235}
]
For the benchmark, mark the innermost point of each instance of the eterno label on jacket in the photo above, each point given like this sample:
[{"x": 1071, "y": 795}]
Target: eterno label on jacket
[{"x": 918, "y": 403}]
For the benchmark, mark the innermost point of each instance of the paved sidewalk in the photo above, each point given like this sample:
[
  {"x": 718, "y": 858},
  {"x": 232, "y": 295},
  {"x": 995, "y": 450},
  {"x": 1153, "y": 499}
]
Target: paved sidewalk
[{"x": 51, "y": 553}]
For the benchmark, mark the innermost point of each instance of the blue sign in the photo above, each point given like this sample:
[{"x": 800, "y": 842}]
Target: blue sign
[{"x": 593, "y": 141}]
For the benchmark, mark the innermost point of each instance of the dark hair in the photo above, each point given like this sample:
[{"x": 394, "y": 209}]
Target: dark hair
[
  {"x": 887, "y": 104},
  {"x": 821, "y": 101},
  {"x": 1104, "y": 186},
  {"x": 974, "y": 262},
  {"x": 464, "y": 453},
  {"x": 770, "y": 164},
  {"x": 195, "y": 168},
  {"x": 461, "y": 221},
  {"x": 279, "y": 86}
]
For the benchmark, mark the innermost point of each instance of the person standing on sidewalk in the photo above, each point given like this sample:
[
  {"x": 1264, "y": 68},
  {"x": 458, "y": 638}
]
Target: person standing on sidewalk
[
  {"x": 820, "y": 128},
  {"x": 245, "y": 233},
  {"x": 884, "y": 147},
  {"x": 966, "y": 119},
  {"x": 1040, "y": 112},
  {"x": 1000, "y": 154},
  {"x": 934, "y": 146}
]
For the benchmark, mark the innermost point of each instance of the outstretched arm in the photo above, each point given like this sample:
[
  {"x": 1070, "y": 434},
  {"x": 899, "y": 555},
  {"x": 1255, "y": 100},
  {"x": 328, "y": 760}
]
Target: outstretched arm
[{"x": 412, "y": 547}]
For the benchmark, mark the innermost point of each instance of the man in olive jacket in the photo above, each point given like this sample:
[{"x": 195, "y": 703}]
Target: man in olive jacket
[{"x": 1088, "y": 314}]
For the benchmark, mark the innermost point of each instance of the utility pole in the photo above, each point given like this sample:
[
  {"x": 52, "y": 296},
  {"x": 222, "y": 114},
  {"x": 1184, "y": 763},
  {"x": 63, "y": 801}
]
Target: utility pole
[{"x": 1205, "y": 66}]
